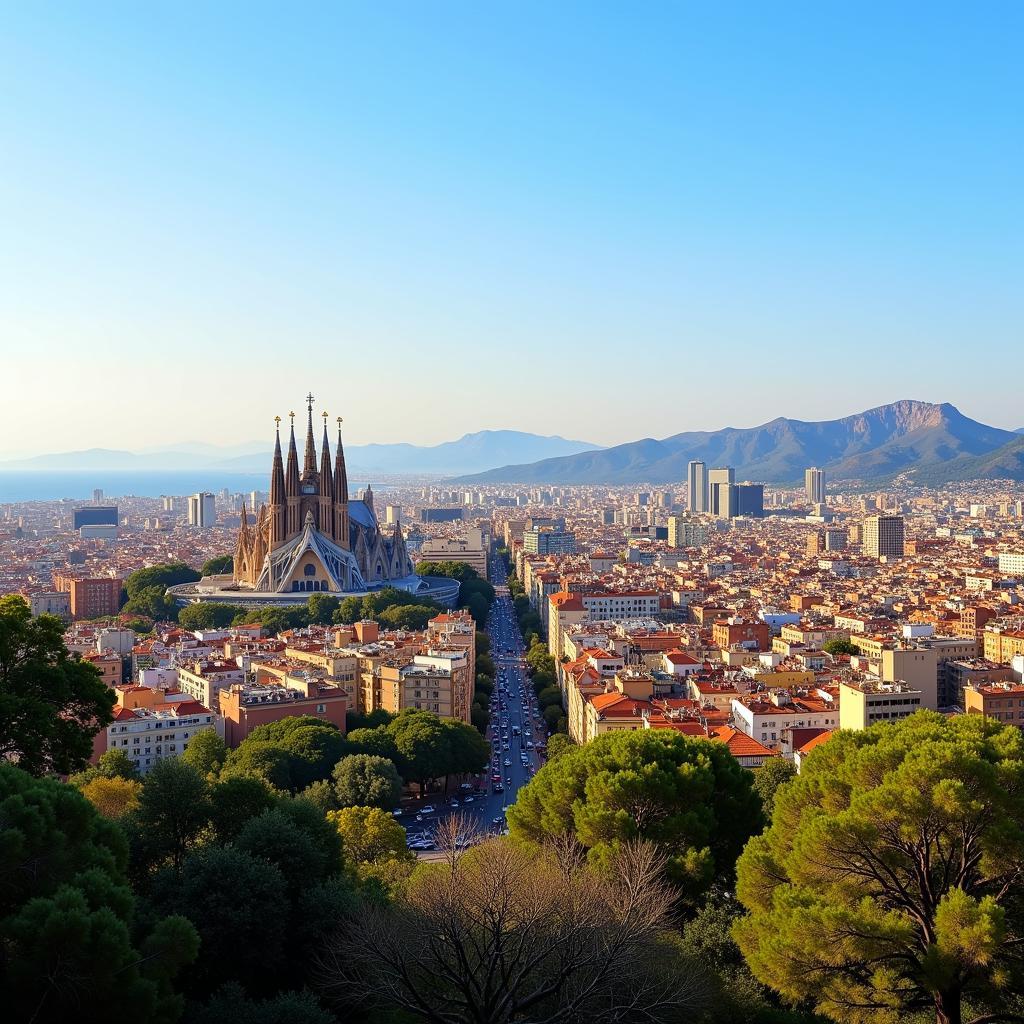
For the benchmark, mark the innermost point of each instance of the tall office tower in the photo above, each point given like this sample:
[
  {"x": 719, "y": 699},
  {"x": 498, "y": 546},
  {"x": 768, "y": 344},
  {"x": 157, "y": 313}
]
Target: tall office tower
[
  {"x": 814, "y": 485},
  {"x": 719, "y": 482},
  {"x": 749, "y": 499},
  {"x": 883, "y": 536},
  {"x": 202, "y": 510},
  {"x": 97, "y": 496},
  {"x": 697, "y": 481}
]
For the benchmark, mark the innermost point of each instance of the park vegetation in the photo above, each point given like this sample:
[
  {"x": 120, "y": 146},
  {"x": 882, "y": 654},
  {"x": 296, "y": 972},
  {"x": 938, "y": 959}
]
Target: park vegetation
[{"x": 646, "y": 877}]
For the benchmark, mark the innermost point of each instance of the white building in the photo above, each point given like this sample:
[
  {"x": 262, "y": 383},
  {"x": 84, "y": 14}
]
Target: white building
[
  {"x": 770, "y": 718},
  {"x": 150, "y": 734}
]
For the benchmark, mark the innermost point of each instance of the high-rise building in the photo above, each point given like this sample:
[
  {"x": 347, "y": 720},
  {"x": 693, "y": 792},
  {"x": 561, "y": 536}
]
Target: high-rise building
[
  {"x": 685, "y": 533},
  {"x": 883, "y": 536},
  {"x": 90, "y": 596},
  {"x": 719, "y": 482},
  {"x": 814, "y": 485},
  {"x": 749, "y": 499},
  {"x": 202, "y": 510},
  {"x": 94, "y": 515},
  {"x": 97, "y": 496},
  {"x": 697, "y": 482}
]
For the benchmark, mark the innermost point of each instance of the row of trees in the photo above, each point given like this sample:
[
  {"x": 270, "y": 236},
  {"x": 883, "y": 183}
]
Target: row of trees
[{"x": 145, "y": 595}]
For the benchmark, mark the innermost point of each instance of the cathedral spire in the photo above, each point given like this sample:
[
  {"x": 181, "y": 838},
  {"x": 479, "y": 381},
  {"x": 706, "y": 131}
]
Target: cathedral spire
[
  {"x": 309, "y": 463},
  {"x": 277, "y": 469},
  {"x": 340, "y": 472},
  {"x": 291, "y": 480},
  {"x": 326, "y": 483}
]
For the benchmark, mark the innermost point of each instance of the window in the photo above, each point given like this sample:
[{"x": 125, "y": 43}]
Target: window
[
  {"x": 309, "y": 570},
  {"x": 321, "y": 709}
]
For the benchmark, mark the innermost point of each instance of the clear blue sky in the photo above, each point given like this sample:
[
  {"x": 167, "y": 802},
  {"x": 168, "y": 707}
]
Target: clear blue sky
[{"x": 599, "y": 220}]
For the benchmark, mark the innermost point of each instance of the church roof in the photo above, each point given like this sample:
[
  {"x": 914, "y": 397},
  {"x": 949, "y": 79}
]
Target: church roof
[{"x": 359, "y": 512}]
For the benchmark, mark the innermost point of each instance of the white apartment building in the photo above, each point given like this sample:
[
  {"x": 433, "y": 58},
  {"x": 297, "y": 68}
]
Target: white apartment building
[
  {"x": 770, "y": 718},
  {"x": 150, "y": 734},
  {"x": 1012, "y": 563}
]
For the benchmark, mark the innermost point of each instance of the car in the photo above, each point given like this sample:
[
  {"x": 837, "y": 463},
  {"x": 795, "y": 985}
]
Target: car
[
  {"x": 508, "y": 763},
  {"x": 468, "y": 800},
  {"x": 397, "y": 812},
  {"x": 497, "y": 788},
  {"x": 419, "y": 817},
  {"x": 454, "y": 802},
  {"x": 508, "y": 781},
  {"x": 429, "y": 809}
]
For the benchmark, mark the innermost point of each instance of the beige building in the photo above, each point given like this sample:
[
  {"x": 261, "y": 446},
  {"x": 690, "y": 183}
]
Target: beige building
[
  {"x": 203, "y": 680},
  {"x": 1001, "y": 701},
  {"x": 865, "y": 703},
  {"x": 470, "y": 549}
]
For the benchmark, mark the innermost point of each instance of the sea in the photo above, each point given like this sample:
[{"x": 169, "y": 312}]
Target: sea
[{"x": 78, "y": 485}]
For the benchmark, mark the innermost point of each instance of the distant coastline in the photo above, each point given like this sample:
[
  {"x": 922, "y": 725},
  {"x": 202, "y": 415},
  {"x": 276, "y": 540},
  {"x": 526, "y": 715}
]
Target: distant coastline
[{"x": 78, "y": 485}]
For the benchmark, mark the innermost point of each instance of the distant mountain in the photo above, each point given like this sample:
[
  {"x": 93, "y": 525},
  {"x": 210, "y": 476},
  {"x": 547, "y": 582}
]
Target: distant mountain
[
  {"x": 880, "y": 442},
  {"x": 469, "y": 454},
  {"x": 1005, "y": 463}
]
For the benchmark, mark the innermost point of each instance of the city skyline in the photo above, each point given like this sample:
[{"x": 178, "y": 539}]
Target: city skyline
[{"x": 542, "y": 190}]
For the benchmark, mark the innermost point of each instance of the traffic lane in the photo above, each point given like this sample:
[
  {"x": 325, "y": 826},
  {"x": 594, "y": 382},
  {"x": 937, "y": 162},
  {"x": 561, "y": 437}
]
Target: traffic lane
[{"x": 488, "y": 805}]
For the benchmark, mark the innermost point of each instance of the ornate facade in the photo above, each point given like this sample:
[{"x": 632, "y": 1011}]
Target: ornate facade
[{"x": 310, "y": 536}]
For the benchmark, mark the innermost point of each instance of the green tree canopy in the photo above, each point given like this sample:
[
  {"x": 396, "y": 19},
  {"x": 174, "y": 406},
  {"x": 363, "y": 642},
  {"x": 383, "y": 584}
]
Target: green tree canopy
[
  {"x": 558, "y": 745},
  {"x": 169, "y": 574},
  {"x": 112, "y": 797},
  {"x": 68, "y": 928},
  {"x": 412, "y": 617},
  {"x": 767, "y": 779},
  {"x": 51, "y": 705},
  {"x": 112, "y": 764},
  {"x": 218, "y": 566},
  {"x": 364, "y": 780},
  {"x": 242, "y": 939},
  {"x": 321, "y": 608},
  {"x": 423, "y": 745},
  {"x": 209, "y": 615},
  {"x": 153, "y": 602},
  {"x": 470, "y": 752},
  {"x": 290, "y": 753},
  {"x": 368, "y": 721},
  {"x": 173, "y": 811},
  {"x": 264, "y": 760},
  {"x": 688, "y": 796},
  {"x": 840, "y": 645},
  {"x": 206, "y": 752},
  {"x": 231, "y": 1004},
  {"x": 234, "y": 800},
  {"x": 377, "y": 741},
  {"x": 369, "y": 835},
  {"x": 279, "y": 839},
  {"x": 349, "y": 611},
  {"x": 890, "y": 878}
]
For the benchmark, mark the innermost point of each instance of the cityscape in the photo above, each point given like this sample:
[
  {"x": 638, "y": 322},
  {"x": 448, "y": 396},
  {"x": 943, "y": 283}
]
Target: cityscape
[{"x": 387, "y": 698}]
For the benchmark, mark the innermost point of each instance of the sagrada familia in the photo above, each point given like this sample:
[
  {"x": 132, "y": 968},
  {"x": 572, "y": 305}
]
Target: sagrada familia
[{"x": 310, "y": 535}]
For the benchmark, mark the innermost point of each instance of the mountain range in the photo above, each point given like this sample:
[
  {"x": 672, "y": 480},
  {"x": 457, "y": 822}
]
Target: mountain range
[
  {"x": 870, "y": 446},
  {"x": 470, "y": 453}
]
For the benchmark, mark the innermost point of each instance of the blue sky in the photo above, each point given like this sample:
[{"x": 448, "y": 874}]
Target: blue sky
[{"x": 600, "y": 220}]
